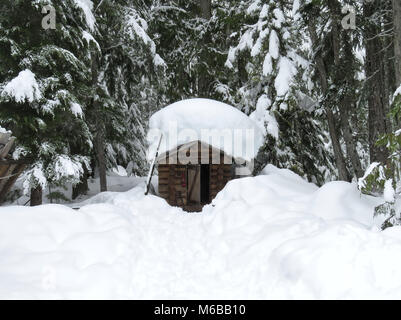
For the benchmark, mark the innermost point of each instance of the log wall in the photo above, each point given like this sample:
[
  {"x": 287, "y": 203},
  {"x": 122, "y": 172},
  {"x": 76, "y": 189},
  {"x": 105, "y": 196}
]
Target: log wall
[{"x": 173, "y": 184}]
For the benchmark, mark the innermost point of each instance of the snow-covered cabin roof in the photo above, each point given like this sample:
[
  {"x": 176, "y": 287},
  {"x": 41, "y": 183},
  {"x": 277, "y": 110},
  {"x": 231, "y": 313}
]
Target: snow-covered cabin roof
[{"x": 212, "y": 122}]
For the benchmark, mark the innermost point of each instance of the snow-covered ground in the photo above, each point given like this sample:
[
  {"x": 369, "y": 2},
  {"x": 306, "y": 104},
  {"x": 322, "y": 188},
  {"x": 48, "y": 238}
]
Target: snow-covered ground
[
  {"x": 117, "y": 181},
  {"x": 274, "y": 236}
]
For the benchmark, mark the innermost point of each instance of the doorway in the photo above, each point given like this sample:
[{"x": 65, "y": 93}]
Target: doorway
[
  {"x": 205, "y": 184},
  {"x": 198, "y": 184}
]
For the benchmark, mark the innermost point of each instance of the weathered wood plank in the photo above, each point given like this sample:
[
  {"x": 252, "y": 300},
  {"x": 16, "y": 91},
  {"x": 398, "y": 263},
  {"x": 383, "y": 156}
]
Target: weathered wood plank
[
  {"x": 163, "y": 188},
  {"x": 10, "y": 182},
  {"x": 3, "y": 169},
  {"x": 9, "y": 172}
]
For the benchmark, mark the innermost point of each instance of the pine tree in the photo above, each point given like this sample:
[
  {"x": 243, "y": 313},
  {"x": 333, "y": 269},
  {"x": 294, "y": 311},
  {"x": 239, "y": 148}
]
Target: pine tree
[
  {"x": 131, "y": 78},
  {"x": 127, "y": 77},
  {"x": 44, "y": 80},
  {"x": 274, "y": 89},
  {"x": 192, "y": 41},
  {"x": 337, "y": 71}
]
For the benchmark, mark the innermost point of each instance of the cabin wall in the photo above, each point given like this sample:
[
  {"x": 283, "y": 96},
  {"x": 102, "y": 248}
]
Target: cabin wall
[
  {"x": 220, "y": 175},
  {"x": 173, "y": 184},
  {"x": 205, "y": 155}
]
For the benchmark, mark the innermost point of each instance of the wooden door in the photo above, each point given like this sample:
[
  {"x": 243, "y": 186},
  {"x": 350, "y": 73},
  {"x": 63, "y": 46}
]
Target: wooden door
[{"x": 194, "y": 184}]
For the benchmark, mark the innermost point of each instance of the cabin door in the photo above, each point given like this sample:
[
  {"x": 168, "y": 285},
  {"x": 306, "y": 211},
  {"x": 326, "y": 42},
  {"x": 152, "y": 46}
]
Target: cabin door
[
  {"x": 194, "y": 184},
  {"x": 205, "y": 184}
]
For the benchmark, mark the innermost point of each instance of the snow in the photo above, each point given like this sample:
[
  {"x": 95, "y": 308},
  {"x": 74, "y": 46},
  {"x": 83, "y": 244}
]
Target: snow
[
  {"x": 274, "y": 44},
  {"x": 231, "y": 58},
  {"x": 267, "y": 65},
  {"x": 23, "y": 88},
  {"x": 279, "y": 18},
  {"x": 257, "y": 47},
  {"x": 389, "y": 192},
  {"x": 159, "y": 62},
  {"x": 264, "y": 12},
  {"x": 3, "y": 130},
  {"x": 120, "y": 171},
  {"x": 202, "y": 119},
  {"x": 87, "y": 8},
  {"x": 285, "y": 75},
  {"x": 76, "y": 109},
  {"x": 65, "y": 166},
  {"x": 369, "y": 170},
  {"x": 246, "y": 41},
  {"x": 34, "y": 174},
  {"x": 253, "y": 7},
  {"x": 89, "y": 38},
  {"x": 396, "y": 93},
  {"x": 137, "y": 27},
  {"x": 264, "y": 117},
  {"x": 274, "y": 236}
]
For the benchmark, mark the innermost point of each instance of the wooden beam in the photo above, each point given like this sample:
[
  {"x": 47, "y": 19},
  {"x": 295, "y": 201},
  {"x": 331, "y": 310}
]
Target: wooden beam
[
  {"x": 10, "y": 182},
  {"x": 9, "y": 172}
]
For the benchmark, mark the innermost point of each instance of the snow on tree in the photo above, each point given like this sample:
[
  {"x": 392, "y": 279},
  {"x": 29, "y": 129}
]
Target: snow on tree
[
  {"x": 43, "y": 80},
  {"x": 271, "y": 84},
  {"x": 130, "y": 78},
  {"x": 384, "y": 178}
]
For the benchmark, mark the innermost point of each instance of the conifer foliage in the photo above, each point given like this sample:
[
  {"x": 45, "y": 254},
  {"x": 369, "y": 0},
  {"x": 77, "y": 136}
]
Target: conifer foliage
[{"x": 44, "y": 82}]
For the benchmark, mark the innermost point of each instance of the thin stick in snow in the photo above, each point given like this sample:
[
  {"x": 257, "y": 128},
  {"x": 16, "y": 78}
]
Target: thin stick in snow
[{"x": 152, "y": 167}]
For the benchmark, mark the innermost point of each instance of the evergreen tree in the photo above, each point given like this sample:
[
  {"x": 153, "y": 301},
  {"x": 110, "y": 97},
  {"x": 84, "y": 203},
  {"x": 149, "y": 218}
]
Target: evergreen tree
[
  {"x": 337, "y": 77},
  {"x": 274, "y": 90},
  {"x": 193, "y": 43},
  {"x": 131, "y": 77},
  {"x": 44, "y": 80}
]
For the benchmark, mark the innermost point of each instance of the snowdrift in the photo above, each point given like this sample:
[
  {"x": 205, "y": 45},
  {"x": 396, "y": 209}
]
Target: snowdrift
[
  {"x": 274, "y": 236},
  {"x": 190, "y": 120}
]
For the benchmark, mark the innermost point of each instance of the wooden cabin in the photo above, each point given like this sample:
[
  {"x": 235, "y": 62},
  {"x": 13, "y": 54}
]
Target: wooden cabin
[{"x": 191, "y": 175}]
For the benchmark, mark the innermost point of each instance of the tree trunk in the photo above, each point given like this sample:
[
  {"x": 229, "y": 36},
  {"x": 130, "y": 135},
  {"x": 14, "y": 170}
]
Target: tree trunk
[
  {"x": 338, "y": 153},
  {"x": 206, "y": 9},
  {"x": 342, "y": 41},
  {"x": 349, "y": 138},
  {"x": 82, "y": 187},
  {"x": 375, "y": 78},
  {"x": 36, "y": 196},
  {"x": 397, "y": 40},
  {"x": 99, "y": 125},
  {"x": 101, "y": 158}
]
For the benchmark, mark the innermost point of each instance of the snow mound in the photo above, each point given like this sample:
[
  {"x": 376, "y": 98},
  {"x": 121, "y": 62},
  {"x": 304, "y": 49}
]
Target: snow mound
[
  {"x": 191, "y": 120},
  {"x": 341, "y": 200},
  {"x": 274, "y": 236}
]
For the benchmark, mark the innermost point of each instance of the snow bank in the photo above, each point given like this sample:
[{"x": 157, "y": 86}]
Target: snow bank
[
  {"x": 192, "y": 120},
  {"x": 274, "y": 236}
]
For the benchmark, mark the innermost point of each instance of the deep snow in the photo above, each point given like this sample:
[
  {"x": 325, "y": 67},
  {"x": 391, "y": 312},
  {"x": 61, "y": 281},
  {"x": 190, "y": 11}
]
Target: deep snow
[
  {"x": 273, "y": 236},
  {"x": 215, "y": 123}
]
